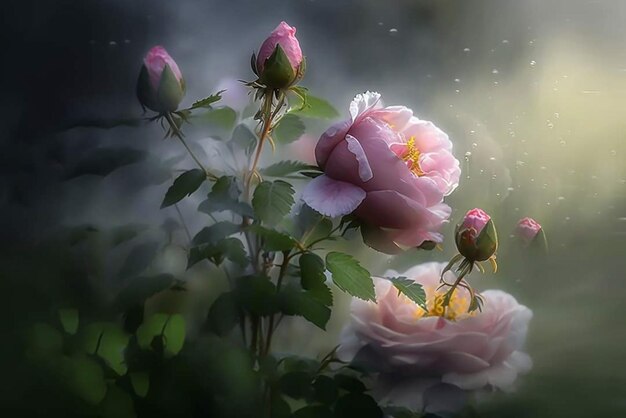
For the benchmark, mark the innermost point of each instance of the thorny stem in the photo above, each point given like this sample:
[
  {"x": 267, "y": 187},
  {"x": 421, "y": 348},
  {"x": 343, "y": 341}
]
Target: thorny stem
[
  {"x": 281, "y": 275},
  {"x": 179, "y": 135}
]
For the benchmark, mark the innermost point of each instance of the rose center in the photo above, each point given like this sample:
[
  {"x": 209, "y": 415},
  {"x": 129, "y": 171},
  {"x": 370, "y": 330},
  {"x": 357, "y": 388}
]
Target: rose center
[
  {"x": 409, "y": 153},
  {"x": 457, "y": 309}
]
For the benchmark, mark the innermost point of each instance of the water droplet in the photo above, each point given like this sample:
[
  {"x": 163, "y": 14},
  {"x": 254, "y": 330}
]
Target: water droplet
[
  {"x": 468, "y": 154},
  {"x": 492, "y": 158},
  {"x": 562, "y": 142},
  {"x": 112, "y": 43},
  {"x": 474, "y": 144},
  {"x": 505, "y": 41},
  {"x": 495, "y": 71},
  {"x": 456, "y": 80},
  {"x": 380, "y": 23},
  {"x": 550, "y": 124},
  {"x": 393, "y": 30},
  {"x": 533, "y": 63},
  {"x": 613, "y": 152},
  {"x": 126, "y": 41},
  {"x": 567, "y": 218},
  {"x": 543, "y": 168},
  {"x": 556, "y": 115},
  {"x": 561, "y": 198},
  {"x": 466, "y": 50},
  {"x": 510, "y": 189}
]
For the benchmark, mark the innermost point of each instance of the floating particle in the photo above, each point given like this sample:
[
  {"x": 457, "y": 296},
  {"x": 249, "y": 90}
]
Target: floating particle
[
  {"x": 495, "y": 71},
  {"x": 533, "y": 63},
  {"x": 393, "y": 30},
  {"x": 466, "y": 50}
]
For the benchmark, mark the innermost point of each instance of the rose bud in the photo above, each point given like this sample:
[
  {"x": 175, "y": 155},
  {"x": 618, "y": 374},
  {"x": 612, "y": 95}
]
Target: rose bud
[
  {"x": 279, "y": 63},
  {"x": 531, "y": 233},
  {"x": 391, "y": 170},
  {"x": 161, "y": 86},
  {"x": 476, "y": 237}
]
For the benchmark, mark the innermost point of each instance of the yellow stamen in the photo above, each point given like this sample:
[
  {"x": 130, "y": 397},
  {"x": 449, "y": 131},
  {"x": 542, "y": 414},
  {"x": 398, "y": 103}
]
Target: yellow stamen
[
  {"x": 412, "y": 155},
  {"x": 457, "y": 309}
]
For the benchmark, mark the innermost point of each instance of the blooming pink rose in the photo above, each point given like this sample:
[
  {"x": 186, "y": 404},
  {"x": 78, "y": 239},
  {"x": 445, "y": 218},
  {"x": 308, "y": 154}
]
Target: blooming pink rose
[
  {"x": 527, "y": 229},
  {"x": 415, "y": 350},
  {"x": 391, "y": 169},
  {"x": 155, "y": 61},
  {"x": 285, "y": 36}
]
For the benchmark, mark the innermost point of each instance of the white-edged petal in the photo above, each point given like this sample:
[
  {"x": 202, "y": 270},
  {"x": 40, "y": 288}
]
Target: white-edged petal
[
  {"x": 364, "y": 102},
  {"x": 354, "y": 146},
  {"x": 331, "y": 197}
]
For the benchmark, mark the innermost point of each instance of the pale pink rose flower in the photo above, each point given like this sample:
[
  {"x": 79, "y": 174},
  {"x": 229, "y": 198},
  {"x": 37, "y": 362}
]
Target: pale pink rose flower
[
  {"x": 475, "y": 219},
  {"x": 527, "y": 229},
  {"x": 285, "y": 36},
  {"x": 422, "y": 356},
  {"x": 391, "y": 169},
  {"x": 155, "y": 61}
]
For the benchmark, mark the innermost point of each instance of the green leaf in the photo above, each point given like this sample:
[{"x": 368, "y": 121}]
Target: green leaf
[
  {"x": 183, "y": 186},
  {"x": 274, "y": 240},
  {"x": 141, "y": 383},
  {"x": 108, "y": 341},
  {"x": 225, "y": 196},
  {"x": 222, "y": 119},
  {"x": 296, "y": 384},
  {"x": 326, "y": 390},
  {"x": 357, "y": 405},
  {"x": 138, "y": 259},
  {"x": 124, "y": 233},
  {"x": 207, "y": 101},
  {"x": 313, "y": 278},
  {"x": 296, "y": 302},
  {"x": 289, "y": 128},
  {"x": 257, "y": 295},
  {"x": 230, "y": 248},
  {"x": 117, "y": 404},
  {"x": 243, "y": 138},
  {"x": 43, "y": 341},
  {"x": 84, "y": 378},
  {"x": 223, "y": 314},
  {"x": 283, "y": 168},
  {"x": 216, "y": 232},
  {"x": 141, "y": 288},
  {"x": 103, "y": 161},
  {"x": 410, "y": 289},
  {"x": 349, "y": 276},
  {"x": 168, "y": 330},
  {"x": 273, "y": 200},
  {"x": 313, "y": 107},
  {"x": 349, "y": 383},
  {"x": 69, "y": 320}
]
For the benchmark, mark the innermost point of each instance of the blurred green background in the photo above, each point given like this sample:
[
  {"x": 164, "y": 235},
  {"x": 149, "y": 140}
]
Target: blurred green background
[{"x": 531, "y": 92}]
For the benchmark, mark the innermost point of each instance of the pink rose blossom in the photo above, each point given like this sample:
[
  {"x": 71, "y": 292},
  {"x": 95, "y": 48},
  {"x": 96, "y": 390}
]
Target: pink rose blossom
[
  {"x": 475, "y": 219},
  {"x": 155, "y": 62},
  {"x": 285, "y": 36},
  {"x": 391, "y": 169},
  {"x": 527, "y": 229},
  {"x": 422, "y": 355}
]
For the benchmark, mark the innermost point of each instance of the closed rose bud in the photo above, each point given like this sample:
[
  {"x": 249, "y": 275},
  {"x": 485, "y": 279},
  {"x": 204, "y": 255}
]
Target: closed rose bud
[
  {"x": 476, "y": 237},
  {"x": 531, "y": 234},
  {"x": 279, "y": 63},
  {"x": 161, "y": 86}
]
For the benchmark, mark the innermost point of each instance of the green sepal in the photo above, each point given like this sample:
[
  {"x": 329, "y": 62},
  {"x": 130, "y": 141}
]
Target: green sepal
[
  {"x": 170, "y": 92},
  {"x": 145, "y": 92},
  {"x": 487, "y": 242},
  {"x": 277, "y": 70}
]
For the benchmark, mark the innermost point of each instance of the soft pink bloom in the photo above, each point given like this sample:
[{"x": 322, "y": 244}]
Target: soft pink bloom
[
  {"x": 155, "y": 62},
  {"x": 392, "y": 170},
  {"x": 527, "y": 229},
  {"x": 469, "y": 242},
  {"x": 420, "y": 354},
  {"x": 285, "y": 36}
]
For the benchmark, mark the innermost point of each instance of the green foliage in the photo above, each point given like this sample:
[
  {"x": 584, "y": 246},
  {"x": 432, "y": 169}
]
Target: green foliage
[
  {"x": 225, "y": 196},
  {"x": 273, "y": 240},
  {"x": 227, "y": 248},
  {"x": 139, "y": 258},
  {"x": 216, "y": 232},
  {"x": 83, "y": 377},
  {"x": 141, "y": 288},
  {"x": 294, "y": 301},
  {"x": 107, "y": 341},
  {"x": 313, "y": 278},
  {"x": 410, "y": 289},
  {"x": 357, "y": 405},
  {"x": 307, "y": 105},
  {"x": 349, "y": 276},
  {"x": 289, "y": 128},
  {"x": 141, "y": 383},
  {"x": 162, "y": 331},
  {"x": 221, "y": 119},
  {"x": 223, "y": 314},
  {"x": 326, "y": 389},
  {"x": 284, "y": 168},
  {"x": 257, "y": 295},
  {"x": 184, "y": 185},
  {"x": 69, "y": 320},
  {"x": 243, "y": 138},
  {"x": 207, "y": 101},
  {"x": 273, "y": 200}
]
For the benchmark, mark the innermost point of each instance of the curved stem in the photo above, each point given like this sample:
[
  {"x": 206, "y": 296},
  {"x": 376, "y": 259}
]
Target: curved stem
[
  {"x": 267, "y": 126},
  {"x": 179, "y": 135}
]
